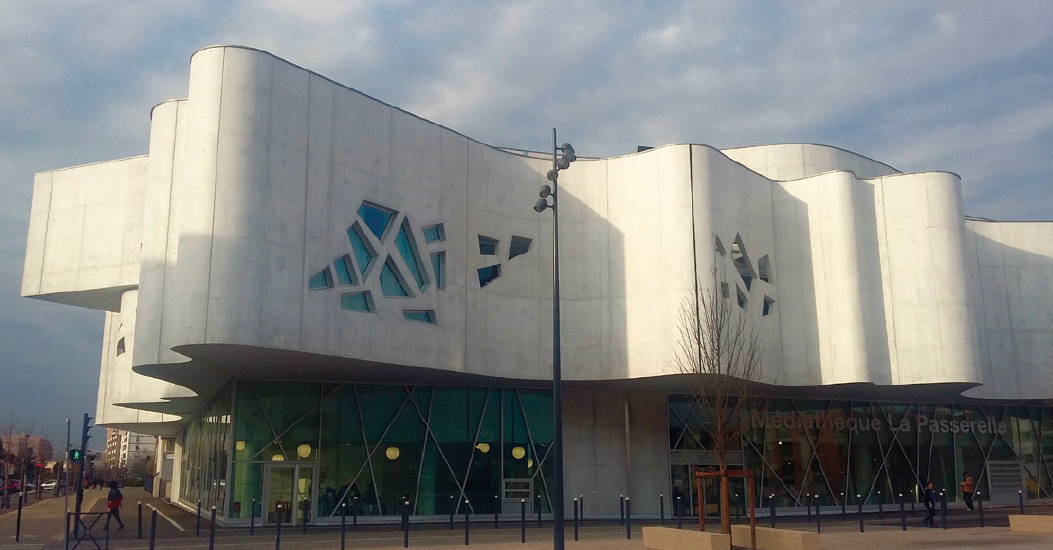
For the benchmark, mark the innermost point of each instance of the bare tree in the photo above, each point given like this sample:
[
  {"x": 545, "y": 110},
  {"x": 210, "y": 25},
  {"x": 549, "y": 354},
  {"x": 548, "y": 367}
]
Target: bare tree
[{"x": 720, "y": 353}]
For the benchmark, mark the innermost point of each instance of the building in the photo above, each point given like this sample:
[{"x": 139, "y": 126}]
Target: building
[
  {"x": 311, "y": 294},
  {"x": 23, "y": 448},
  {"x": 111, "y": 456},
  {"x": 129, "y": 453}
]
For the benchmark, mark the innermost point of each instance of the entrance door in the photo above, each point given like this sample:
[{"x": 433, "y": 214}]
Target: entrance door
[{"x": 289, "y": 492}]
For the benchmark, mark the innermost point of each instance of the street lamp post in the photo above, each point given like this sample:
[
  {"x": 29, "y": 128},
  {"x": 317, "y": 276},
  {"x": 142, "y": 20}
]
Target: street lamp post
[{"x": 562, "y": 156}]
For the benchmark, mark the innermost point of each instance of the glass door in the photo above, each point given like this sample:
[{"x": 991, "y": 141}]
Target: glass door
[{"x": 289, "y": 493}]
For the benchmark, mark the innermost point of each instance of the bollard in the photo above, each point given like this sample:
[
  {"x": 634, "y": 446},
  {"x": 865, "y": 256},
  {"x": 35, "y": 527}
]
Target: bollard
[
  {"x": 153, "y": 527},
  {"x": 18, "y": 522},
  {"x": 197, "y": 531},
  {"x": 738, "y": 511},
  {"x": 303, "y": 520},
  {"x": 859, "y": 503},
  {"x": 621, "y": 508},
  {"x": 880, "y": 508},
  {"x": 818, "y": 520},
  {"x": 661, "y": 509},
  {"x": 581, "y": 501},
  {"x": 844, "y": 501},
  {"x": 808, "y": 507},
  {"x": 539, "y": 510},
  {"x": 278, "y": 528},
  {"x": 252, "y": 518},
  {"x": 771, "y": 510},
  {"x": 466, "y": 522},
  {"x": 943, "y": 508},
  {"x": 628, "y": 519},
  {"x": 902, "y": 513},
  {"x": 354, "y": 515},
  {"x": 980, "y": 504},
  {"x": 107, "y": 529},
  {"x": 212, "y": 530},
  {"x": 453, "y": 509},
  {"x": 522, "y": 520},
  {"x": 678, "y": 513},
  {"x": 343, "y": 524},
  {"x": 66, "y": 534},
  {"x": 405, "y": 524},
  {"x": 1020, "y": 494},
  {"x": 496, "y": 504},
  {"x": 139, "y": 520},
  {"x": 575, "y": 520}
]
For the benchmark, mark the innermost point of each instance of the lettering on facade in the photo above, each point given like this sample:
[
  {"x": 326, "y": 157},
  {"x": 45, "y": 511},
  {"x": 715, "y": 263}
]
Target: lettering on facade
[{"x": 988, "y": 425}]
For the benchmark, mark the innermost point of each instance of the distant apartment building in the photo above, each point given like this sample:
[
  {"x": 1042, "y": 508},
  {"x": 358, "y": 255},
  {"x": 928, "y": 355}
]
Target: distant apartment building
[{"x": 125, "y": 448}]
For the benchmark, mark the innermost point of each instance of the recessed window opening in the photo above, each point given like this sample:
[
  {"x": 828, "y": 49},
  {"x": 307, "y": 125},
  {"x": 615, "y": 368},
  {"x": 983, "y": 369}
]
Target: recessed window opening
[
  {"x": 376, "y": 217},
  {"x": 357, "y": 301},
  {"x": 321, "y": 280},
  {"x": 420, "y": 316},
  {"x": 518, "y": 246},
  {"x": 487, "y": 245},
  {"x": 741, "y": 259},
  {"x": 769, "y": 305},
  {"x": 345, "y": 270},
  {"x": 438, "y": 268},
  {"x": 434, "y": 233},
  {"x": 488, "y": 274},
  {"x": 364, "y": 254},
  {"x": 120, "y": 346},
  {"x": 391, "y": 283},
  {"x": 764, "y": 269},
  {"x": 408, "y": 250},
  {"x": 741, "y": 297}
]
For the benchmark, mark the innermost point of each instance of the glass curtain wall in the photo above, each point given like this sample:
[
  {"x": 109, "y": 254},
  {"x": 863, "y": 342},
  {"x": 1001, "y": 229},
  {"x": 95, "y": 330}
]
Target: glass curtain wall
[
  {"x": 852, "y": 451},
  {"x": 206, "y": 452},
  {"x": 376, "y": 446}
]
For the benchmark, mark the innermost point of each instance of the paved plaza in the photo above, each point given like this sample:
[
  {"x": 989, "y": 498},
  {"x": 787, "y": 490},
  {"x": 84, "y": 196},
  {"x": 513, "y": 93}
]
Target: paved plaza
[{"x": 42, "y": 528}]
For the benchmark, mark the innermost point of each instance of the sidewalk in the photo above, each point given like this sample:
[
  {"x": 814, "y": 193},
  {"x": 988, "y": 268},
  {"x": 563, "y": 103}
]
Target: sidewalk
[{"x": 42, "y": 529}]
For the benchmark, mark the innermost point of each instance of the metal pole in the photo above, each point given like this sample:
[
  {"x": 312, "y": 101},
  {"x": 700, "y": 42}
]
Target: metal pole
[
  {"x": 496, "y": 504},
  {"x": 844, "y": 501},
  {"x": 539, "y": 510},
  {"x": 252, "y": 518},
  {"x": 522, "y": 520},
  {"x": 859, "y": 503},
  {"x": 1020, "y": 494},
  {"x": 405, "y": 524},
  {"x": 153, "y": 527},
  {"x": 557, "y": 391},
  {"x": 343, "y": 524},
  {"x": 628, "y": 519},
  {"x": 278, "y": 528},
  {"x": 466, "y": 522},
  {"x": 902, "y": 513},
  {"x": 818, "y": 519},
  {"x": 303, "y": 519},
  {"x": 880, "y": 507},
  {"x": 943, "y": 508},
  {"x": 679, "y": 513},
  {"x": 18, "y": 521},
  {"x": 621, "y": 509},
  {"x": 212, "y": 530},
  {"x": 139, "y": 519},
  {"x": 354, "y": 515},
  {"x": 808, "y": 506},
  {"x": 65, "y": 462},
  {"x": 575, "y": 520},
  {"x": 453, "y": 509},
  {"x": 980, "y": 503},
  {"x": 197, "y": 531},
  {"x": 661, "y": 509},
  {"x": 581, "y": 502},
  {"x": 771, "y": 510}
]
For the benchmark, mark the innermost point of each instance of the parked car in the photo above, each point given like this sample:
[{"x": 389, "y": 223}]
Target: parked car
[{"x": 49, "y": 485}]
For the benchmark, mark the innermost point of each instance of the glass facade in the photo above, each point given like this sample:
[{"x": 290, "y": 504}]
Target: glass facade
[
  {"x": 851, "y": 451},
  {"x": 368, "y": 447}
]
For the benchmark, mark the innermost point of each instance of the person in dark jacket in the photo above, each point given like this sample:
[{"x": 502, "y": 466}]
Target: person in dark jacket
[
  {"x": 930, "y": 505},
  {"x": 113, "y": 504}
]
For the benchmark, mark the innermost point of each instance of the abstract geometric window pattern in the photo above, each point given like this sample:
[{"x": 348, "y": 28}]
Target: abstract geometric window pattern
[
  {"x": 402, "y": 273},
  {"x": 737, "y": 260},
  {"x": 375, "y": 444},
  {"x": 487, "y": 245},
  {"x": 838, "y": 449}
]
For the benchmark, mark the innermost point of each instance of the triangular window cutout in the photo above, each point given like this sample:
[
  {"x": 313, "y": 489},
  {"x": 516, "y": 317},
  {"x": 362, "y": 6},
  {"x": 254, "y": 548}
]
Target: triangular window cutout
[
  {"x": 518, "y": 246},
  {"x": 742, "y": 262},
  {"x": 390, "y": 283},
  {"x": 376, "y": 217},
  {"x": 764, "y": 269},
  {"x": 322, "y": 279}
]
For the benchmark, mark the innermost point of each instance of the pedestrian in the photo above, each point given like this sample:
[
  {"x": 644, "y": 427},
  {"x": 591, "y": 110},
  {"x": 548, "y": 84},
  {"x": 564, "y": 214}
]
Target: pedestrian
[
  {"x": 113, "y": 505},
  {"x": 930, "y": 505},
  {"x": 968, "y": 485}
]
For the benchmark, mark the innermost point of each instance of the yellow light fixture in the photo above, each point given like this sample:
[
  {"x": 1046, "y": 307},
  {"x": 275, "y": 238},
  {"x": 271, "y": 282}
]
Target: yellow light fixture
[
  {"x": 518, "y": 452},
  {"x": 278, "y": 457},
  {"x": 304, "y": 450},
  {"x": 483, "y": 447},
  {"x": 240, "y": 445},
  {"x": 530, "y": 463},
  {"x": 392, "y": 453}
]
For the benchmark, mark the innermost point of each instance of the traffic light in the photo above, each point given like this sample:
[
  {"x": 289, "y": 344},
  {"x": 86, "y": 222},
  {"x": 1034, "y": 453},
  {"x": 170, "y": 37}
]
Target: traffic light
[
  {"x": 74, "y": 455},
  {"x": 85, "y": 436}
]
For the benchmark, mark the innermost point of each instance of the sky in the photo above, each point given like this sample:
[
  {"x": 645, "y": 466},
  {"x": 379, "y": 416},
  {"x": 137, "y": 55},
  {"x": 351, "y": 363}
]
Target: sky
[{"x": 961, "y": 86}]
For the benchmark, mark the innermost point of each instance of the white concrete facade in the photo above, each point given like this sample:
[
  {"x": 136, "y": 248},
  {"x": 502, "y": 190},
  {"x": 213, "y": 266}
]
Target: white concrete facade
[{"x": 201, "y": 252}]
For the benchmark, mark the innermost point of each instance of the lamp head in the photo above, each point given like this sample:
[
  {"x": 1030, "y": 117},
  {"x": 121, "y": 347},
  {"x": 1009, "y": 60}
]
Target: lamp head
[
  {"x": 541, "y": 205},
  {"x": 568, "y": 152},
  {"x": 562, "y": 163},
  {"x": 552, "y": 175},
  {"x": 546, "y": 192}
]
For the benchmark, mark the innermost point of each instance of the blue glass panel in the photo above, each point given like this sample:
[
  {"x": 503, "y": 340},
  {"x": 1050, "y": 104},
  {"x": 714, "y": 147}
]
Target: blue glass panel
[
  {"x": 487, "y": 245},
  {"x": 358, "y": 301},
  {"x": 438, "y": 267},
  {"x": 376, "y": 219},
  {"x": 358, "y": 246},
  {"x": 434, "y": 233},
  {"x": 408, "y": 250},
  {"x": 390, "y": 283},
  {"x": 344, "y": 271},
  {"x": 427, "y": 316},
  {"x": 488, "y": 274},
  {"x": 320, "y": 280}
]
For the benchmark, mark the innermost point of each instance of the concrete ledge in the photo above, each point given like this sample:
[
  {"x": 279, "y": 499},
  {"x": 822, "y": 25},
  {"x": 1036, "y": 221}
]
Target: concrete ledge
[
  {"x": 1031, "y": 524},
  {"x": 775, "y": 539},
  {"x": 667, "y": 538}
]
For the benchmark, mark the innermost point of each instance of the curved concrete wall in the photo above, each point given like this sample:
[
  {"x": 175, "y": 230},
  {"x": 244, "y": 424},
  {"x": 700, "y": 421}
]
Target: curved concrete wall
[{"x": 854, "y": 272}]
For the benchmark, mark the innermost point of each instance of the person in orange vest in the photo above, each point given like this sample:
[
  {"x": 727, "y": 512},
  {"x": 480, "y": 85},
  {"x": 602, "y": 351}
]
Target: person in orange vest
[{"x": 968, "y": 485}]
